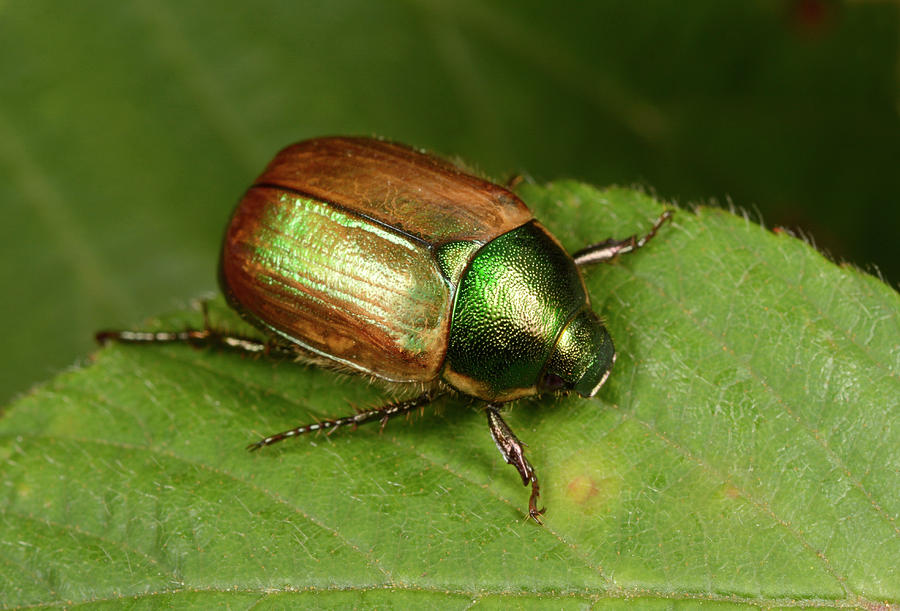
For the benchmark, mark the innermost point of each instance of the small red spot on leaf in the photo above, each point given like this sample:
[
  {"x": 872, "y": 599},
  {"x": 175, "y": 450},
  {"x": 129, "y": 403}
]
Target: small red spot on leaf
[{"x": 581, "y": 489}]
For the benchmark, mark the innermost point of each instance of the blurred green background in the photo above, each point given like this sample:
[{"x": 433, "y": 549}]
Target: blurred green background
[{"x": 128, "y": 129}]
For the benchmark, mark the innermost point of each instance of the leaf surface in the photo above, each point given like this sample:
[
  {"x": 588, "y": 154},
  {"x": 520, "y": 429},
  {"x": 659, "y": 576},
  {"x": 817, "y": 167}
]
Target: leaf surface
[{"x": 745, "y": 452}]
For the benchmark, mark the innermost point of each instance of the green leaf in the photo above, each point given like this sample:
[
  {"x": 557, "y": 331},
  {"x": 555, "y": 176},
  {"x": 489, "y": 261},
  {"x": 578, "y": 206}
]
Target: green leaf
[{"x": 745, "y": 452}]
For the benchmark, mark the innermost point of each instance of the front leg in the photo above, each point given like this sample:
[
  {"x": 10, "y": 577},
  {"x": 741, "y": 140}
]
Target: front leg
[
  {"x": 514, "y": 454},
  {"x": 610, "y": 249}
]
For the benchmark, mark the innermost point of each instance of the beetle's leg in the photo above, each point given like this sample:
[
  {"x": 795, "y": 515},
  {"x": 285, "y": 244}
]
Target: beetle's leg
[
  {"x": 514, "y": 181},
  {"x": 514, "y": 454},
  {"x": 383, "y": 413},
  {"x": 609, "y": 249},
  {"x": 199, "y": 338}
]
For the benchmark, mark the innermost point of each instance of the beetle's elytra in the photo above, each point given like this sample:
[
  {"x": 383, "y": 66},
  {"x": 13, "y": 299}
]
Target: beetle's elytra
[{"x": 377, "y": 258}]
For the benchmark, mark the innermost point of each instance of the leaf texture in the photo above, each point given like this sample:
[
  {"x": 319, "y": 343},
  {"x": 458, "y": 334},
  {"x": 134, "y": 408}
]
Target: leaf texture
[{"x": 745, "y": 453}]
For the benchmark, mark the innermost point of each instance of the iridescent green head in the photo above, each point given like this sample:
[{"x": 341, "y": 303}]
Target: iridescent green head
[
  {"x": 522, "y": 323},
  {"x": 582, "y": 357}
]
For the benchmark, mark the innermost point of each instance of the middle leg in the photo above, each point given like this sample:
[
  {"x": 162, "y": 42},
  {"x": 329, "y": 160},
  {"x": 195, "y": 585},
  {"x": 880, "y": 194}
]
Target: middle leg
[{"x": 383, "y": 413}]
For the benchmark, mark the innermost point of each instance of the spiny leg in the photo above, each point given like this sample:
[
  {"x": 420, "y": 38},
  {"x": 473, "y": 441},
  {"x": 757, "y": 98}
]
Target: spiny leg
[
  {"x": 514, "y": 454},
  {"x": 383, "y": 413},
  {"x": 199, "y": 338},
  {"x": 609, "y": 249}
]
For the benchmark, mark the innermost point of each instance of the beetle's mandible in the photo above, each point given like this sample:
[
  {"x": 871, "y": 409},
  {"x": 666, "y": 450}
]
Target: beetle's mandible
[{"x": 377, "y": 258}]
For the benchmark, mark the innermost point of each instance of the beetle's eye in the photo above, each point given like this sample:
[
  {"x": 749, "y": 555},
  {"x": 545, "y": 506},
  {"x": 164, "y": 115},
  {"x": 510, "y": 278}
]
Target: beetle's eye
[{"x": 552, "y": 381}]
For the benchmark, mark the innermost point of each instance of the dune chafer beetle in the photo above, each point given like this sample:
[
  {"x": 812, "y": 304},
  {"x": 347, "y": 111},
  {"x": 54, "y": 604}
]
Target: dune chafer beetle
[{"x": 376, "y": 258}]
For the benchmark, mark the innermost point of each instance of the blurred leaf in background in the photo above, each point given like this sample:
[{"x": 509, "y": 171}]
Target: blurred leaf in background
[{"x": 128, "y": 129}]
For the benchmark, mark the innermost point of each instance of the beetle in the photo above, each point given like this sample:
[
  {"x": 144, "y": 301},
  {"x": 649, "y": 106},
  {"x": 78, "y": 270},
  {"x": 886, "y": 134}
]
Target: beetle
[{"x": 376, "y": 258}]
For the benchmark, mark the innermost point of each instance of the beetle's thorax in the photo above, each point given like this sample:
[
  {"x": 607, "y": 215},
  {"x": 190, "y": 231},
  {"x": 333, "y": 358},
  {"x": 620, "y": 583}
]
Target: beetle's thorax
[{"x": 513, "y": 301}]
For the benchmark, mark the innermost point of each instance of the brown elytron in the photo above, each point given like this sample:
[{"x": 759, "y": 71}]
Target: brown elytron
[
  {"x": 400, "y": 187},
  {"x": 334, "y": 249}
]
